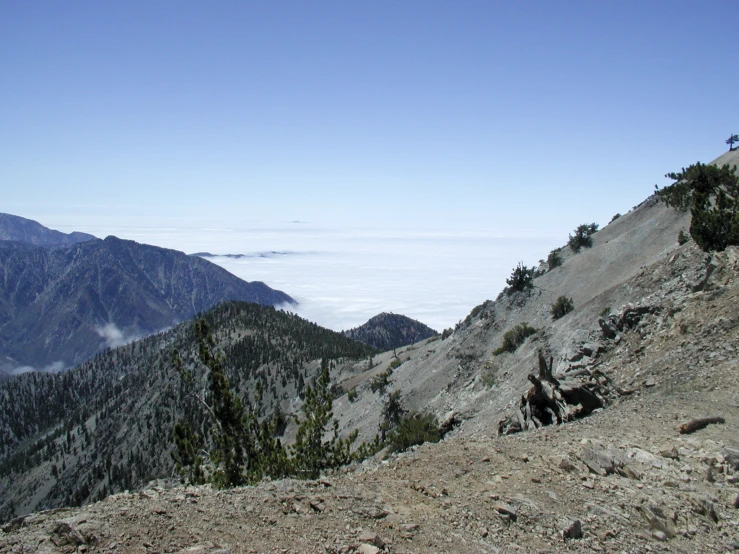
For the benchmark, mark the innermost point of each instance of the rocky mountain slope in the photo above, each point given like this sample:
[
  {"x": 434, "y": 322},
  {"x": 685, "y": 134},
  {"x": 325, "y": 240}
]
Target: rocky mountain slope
[
  {"x": 60, "y": 306},
  {"x": 25, "y": 230},
  {"x": 388, "y": 331},
  {"x": 654, "y": 331}
]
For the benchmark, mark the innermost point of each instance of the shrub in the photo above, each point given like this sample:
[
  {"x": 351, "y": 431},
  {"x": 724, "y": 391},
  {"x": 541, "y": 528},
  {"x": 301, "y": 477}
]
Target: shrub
[
  {"x": 561, "y": 307},
  {"x": 521, "y": 279},
  {"x": 352, "y": 395},
  {"x": 605, "y": 311},
  {"x": 489, "y": 374},
  {"x": 554, "y": 259},
  {"x": 583, "y": 236},
  {"x": 392, "y": 413},
  {"x": 413, "y": 429},
  {"x": 381, "y": 381},
  {"x": 515, "y": 337},
  {"x": 712, "y": 194},
  {"x": 614, "y": 218},
  {"x": 682, "y": 237}
]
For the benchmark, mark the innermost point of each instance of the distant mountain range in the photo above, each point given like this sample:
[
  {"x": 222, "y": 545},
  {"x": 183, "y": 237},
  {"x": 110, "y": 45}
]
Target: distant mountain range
[
  {"x": 387, "y": 331},
  {"x": 61, "y": 305},
  {"x": 25, "y": 230}
]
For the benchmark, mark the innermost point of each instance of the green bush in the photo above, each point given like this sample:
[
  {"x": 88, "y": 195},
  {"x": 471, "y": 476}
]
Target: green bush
[
  {"x": 583, "y": 237},
  {"x": 392, "y": 413},
  {"x": 682, "y": 237},
  {"x": 413, "y": 429},
  {"x": 489, "y": 374},
  {"x": 614, "y": 218},
  {"x": 605, "y": 311},
  {"x": 352, "y": 395},
  {"x": 515, "y": 337},
  {"x": 554, "y": 259},
  {"x": 381, "y": 381},
  {"x": 561, "y": 307},
  {"x": 521, "y": 279},
  {"x": 712, "y": 194}
]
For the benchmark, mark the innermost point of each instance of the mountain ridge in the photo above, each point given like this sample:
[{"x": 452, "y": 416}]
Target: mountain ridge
[
  {"x": 20, "y": 229},
  {"x": 60, "y": 306}
]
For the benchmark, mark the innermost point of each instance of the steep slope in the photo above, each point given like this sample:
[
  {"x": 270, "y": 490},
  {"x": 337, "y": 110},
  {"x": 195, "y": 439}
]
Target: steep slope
[
  {"x": 445, "y": 376},
  {"x": 106, "y": 426},
  {"x": 58, "y": 307},
  {"x": 25, "y": 230},
  {"x": 388, "y": 331}
]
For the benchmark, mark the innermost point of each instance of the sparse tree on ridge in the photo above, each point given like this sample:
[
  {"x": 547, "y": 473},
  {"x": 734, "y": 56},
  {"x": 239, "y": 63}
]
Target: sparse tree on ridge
[
  {"x": 731, "y": 140},
  {"x": 712, "y": 195}
]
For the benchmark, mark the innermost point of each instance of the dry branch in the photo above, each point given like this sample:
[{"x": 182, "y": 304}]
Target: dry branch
[{"x": 699, "y": 423}]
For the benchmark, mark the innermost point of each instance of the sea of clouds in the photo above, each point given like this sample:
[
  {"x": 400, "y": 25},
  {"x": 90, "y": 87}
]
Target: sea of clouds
[{"x": 341, "y": 276}]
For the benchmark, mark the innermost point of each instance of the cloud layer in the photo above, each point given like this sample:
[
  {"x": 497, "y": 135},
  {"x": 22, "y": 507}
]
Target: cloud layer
[{"x": 344, "y": 276}]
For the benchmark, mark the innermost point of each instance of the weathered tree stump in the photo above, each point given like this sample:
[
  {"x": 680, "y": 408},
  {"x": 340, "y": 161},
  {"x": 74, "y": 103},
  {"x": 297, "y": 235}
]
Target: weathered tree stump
[{"x": 550, "y": 401}]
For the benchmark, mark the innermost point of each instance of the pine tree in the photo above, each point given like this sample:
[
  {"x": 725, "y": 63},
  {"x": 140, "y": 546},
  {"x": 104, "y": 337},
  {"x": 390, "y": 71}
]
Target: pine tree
[
  {"x": 310, "y": 453},
  {"x": 712, "y": 194}
]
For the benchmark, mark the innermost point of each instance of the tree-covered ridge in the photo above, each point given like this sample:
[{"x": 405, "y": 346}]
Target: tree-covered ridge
[
  {"x": 388, "y": 331},
  {"x": 107, "y": 425}
]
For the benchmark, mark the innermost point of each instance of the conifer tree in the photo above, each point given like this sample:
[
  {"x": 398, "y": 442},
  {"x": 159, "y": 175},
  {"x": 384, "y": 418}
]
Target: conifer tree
[{"x": 712, "y": 194}]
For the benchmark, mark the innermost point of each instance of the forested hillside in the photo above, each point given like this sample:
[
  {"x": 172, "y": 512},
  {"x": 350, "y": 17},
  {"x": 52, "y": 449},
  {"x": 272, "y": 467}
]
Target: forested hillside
[{"x": 106, "y": 426}]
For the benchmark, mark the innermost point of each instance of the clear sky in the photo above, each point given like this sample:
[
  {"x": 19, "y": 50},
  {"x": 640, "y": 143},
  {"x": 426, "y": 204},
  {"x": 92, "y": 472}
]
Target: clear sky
[{"x": 525, "y": 116}]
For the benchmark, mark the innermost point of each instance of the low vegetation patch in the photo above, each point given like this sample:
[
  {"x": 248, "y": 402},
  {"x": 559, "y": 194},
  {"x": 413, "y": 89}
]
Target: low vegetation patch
[
  {"x": 413, "y": 429},
  {"x": 583, "y": 237},
  {"x": 554, "y": 259},
  {"x": 515, "y": 337},
  {"x": 380, "y": 381},
  {"x": 561, "y": 307},
  {"x": 489, "y": 374},
  {"x": 521, "y": 279},
  {"x": 352, "y": 395}
]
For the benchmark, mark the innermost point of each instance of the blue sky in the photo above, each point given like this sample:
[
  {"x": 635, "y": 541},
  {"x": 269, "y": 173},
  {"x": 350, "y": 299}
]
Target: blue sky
[{"x": 531, "y": 117}]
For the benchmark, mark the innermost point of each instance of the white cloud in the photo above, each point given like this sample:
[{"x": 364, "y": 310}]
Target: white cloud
[
  {"x": 343, "y": 276},
  {"x": 114, "y": 337},
  {"x": 53, "y": 367}
]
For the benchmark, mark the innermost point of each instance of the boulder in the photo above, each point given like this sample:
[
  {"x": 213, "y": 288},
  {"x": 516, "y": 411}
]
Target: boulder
[
  {"x": 368, "y": 537},
  {"x": 571, "y": 529}
]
